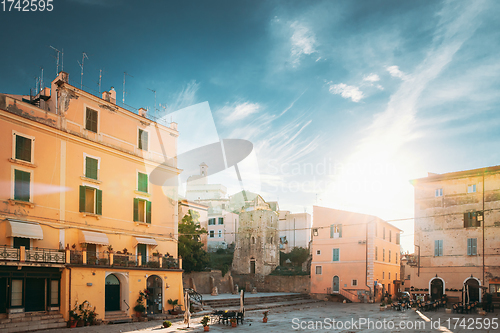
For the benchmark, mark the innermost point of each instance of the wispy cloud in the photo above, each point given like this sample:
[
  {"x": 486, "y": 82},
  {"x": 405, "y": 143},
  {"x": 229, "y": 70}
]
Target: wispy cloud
[
  {"x": 346, "y": 91},
  {"x": 186, "y": 97},
  {"x": 239, "y": 111},
  {"x": 371, "y": 78},
  {"x": 396, "y": 72},
  {"x": 303, "y": 42}
]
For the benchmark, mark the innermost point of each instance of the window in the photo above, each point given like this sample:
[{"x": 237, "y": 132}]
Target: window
[
  {"x": 90, "y": 200},
  {"x": 439, "y": 192},
  {"x": 315, "y": 232},
  {"x": 142, "y": 182},
  {"x": 142, "y": 210},
  {"x": 383, "y": 275},
  {"x": 23, "y": 148},
  {"x": 16, "y": 293},
  {"x": 220, "y": 233},
  {"x": 376, "y": 253},
  {"x": 396, "y": 257},
  {"x": 389, "y": 275},
  {"x": 472, "y": 246},
  {"x": 319, "y": 270},
  {"x": 472, "y": 219},
  {"x": 354, "y": 283},
  {"x": 22, "y": 185},
  {"x": 390, "y": 235},
  {"x": 143, "y": 140},
  {"x": 398, "y": 238},
  {"x": 221, "y": 220},
  {"x": 383, "y": 254},
  {"x": 212, "y": 233},
  {"x": 336, "y": 255},
  {"x": 54, "y": 292},
  {"x": 91, "y": 168},
  {"x": 396, "y": 276},
  {"x": 21, "y": 241},
  {"x": 211, "y": 221},
  {"x": 389, "y": 256},
  {"x": 318, "y": 252},
  {"x": 494, "y": 288},
  {"x": 91, "y": 120},
  {"x": 471, "y": 188},
  {"x": 253, "y": 240},
  {"x": 408, "y": 277},
  {"x": 383, "y": 234},
  {"x": 336, "y": 231},
  {"x": 438, "y": 248}
]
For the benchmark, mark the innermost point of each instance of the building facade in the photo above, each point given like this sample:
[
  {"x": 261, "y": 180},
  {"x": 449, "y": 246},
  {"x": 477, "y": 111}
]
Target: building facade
[
  {"x": 83, "y": 214},
  {"x": 355, "y": 255},
  {"x": 294, "y": 230},
  {"x": 457, "y": 233}
]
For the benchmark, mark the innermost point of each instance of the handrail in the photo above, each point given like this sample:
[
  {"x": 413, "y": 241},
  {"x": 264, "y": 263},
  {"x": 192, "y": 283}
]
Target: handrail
[
  {"x": 128, "y": 307},
  {"x": 194, "y": 295},
  {"x": 350, "y": 296}
]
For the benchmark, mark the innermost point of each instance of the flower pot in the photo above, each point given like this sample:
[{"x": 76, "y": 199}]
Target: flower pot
[
  {"x": 382, "y": 308},
  {"x": 72, "y": 323},
  {"x": 138, "y": 314},
  {"x": 448, "y": 310},
  {"x": 79, "y": 323},
  {"x": 233, "y": 324},
  {"x": 264, "y": 320},
  {"x": 206, "y": 328}
]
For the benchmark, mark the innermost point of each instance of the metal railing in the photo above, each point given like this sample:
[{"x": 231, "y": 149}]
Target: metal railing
[
  {"x": 46, "y": 256},
  {"x": 9, "y": 253},
  {"x": 170, "y": 263},
  {"x": 97, "y": 258},
  {"x": 125, "y": 260}
]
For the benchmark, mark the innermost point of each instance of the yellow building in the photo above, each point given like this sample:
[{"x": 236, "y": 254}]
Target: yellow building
[
  {"x": 83, "y": 214},
  {"x": 354, "y": 255}
]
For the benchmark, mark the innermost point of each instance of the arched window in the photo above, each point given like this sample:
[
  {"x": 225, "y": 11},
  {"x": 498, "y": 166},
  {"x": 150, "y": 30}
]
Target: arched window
[{"x": 253, "y": 240}]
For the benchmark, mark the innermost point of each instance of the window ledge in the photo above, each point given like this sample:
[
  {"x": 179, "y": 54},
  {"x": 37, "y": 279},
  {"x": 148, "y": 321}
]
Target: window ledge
[
  {"x": 143, "y": 224},
  {"x": 20, "y": 202},
  {"x": 23, "y": 163},
  {"x": 95, "y": 181},
  {"x": 91, "y": 215},
  {"x": 146, "y": 194}
]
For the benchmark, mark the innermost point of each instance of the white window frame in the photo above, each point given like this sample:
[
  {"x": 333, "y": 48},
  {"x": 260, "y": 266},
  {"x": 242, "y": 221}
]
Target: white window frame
[
  {"x": 95, "y": 187},
  {"x": 85, "y": 106},
  {"x": 219, "y": 233},
  {"x": 85, "y": 155},
  {"x": 13, "y": 180},
  {"x": 142, "y": 129},
  {"x": 137, "y": 181},
  {"x": 32, "y": 138},
  {"x": 318, "y": 252},
  {"x": 438, "y": 193},
  {"x": 354, "y": 282},
  {"x": 211, "y": 234},
  {"x": 320, "y": 270},
  {"x": 471, "y": 188}
]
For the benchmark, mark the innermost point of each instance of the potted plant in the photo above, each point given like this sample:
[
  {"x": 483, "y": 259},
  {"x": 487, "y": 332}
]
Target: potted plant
[
  {"x": 167, "y": 324},
  {"x": 174, "y": 304},
  {"x": 139, "y": 308},
  {"x": 204, "y": 321},
  {"x": 233, "y": 322},
  {"x": 382, "y": 306},
  {"x": 74, "y": 317},
  {"x": 110, "y": 248},
  {"x": 265, "y": 313}
]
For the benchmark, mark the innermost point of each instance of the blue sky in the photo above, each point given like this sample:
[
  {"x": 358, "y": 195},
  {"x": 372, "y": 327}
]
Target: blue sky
[{"x": 344, "y": 101}]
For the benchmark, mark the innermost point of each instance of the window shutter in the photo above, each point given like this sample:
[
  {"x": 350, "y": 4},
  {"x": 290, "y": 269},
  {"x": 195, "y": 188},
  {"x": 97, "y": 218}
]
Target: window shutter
[
  {"x": 436, "y": 248},
  {"x": 82, "y": 198},
  {"x": 148, "y": 211},
  {"x": 340, "y": 230},
  {"x": 136, "y": 209},
  {"x": 331, "y": 231},
  {"x": 441, "y": 247},
  {"x": 474, "y": 246},
  {"x": 469, "y": 247},
  {"x": 143, "y": 182},
  {"x": 98, "y": 202}
]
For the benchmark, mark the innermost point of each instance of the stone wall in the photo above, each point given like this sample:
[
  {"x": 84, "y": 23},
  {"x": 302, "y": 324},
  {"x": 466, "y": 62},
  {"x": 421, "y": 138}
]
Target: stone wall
[
  {"x": 203, "y": 281},
  {"x": 274, "y": 283}
]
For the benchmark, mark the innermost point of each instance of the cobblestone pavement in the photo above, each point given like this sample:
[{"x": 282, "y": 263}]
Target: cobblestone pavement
[{"x": 319, "y": 317}]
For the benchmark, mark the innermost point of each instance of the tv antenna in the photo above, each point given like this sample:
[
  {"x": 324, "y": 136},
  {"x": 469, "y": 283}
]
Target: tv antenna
[
  {"x": 84, "y": 55},
  {"x": 57, "y": 59},
  {"x": 124, "y": 74},
  {"x": 100, "y": 79}
]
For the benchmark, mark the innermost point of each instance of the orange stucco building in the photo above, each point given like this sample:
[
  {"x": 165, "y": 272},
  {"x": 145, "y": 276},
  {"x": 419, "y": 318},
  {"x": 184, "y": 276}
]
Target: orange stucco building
[
  {"x": 84, "y": 215},
  {"x": 354, "y": 255}
]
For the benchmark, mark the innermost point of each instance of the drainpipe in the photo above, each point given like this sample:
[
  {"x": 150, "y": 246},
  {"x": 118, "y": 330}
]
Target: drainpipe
[
  {"x": 484, "y": 282},
  {"x": 366, "y": 260},
  {"x": 69, "y": 298}
]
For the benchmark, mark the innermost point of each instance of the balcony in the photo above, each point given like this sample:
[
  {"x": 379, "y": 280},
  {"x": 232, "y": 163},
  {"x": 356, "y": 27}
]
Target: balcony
[{"x": 8, "y": 254}]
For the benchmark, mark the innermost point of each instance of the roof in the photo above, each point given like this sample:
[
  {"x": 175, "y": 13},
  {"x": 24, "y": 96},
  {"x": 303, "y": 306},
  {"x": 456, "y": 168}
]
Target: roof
[{"x": 433, "y": 177}]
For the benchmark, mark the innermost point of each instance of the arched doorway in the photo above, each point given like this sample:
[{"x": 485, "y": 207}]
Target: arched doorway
[
  {"x": 436, "y": 289},
  {"x": 336, "y": 284},
  {"x": 154, "y": 301},
  {"x": 252, "y": 266},
  {"x": 471, "y": 290},
  {"x": 112, "y": 293}
]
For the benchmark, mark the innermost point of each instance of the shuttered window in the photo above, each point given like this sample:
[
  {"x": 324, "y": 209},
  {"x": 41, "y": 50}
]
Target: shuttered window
[
  {"x": 142, "y": 210},
  {"x": 91, "y": 120},
  {"x": 91, "y": 165},
  {"x": 143, "y": 140},
  {"x": 336, "y": 254},
  {"x": 142, "y": 182},
  {"x": 23, "y": 148},
  {"x": 438, "y": 247},
  {"x": 472, "y": 246},
  {"x": 22, "y": 181},
  {"x": 336, "y": 231},
  {"x": 90, "y": 200}
]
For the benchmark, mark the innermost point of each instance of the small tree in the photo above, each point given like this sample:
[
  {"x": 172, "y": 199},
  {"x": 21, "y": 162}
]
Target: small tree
[
  {"x": 298, "y": 255},
  {"x": 194, "y": 257}
]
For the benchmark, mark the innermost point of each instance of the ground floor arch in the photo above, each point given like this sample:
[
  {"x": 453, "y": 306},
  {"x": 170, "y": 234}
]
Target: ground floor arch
[
  {"x": 336, "y": 284},
  {"x": 472, "y": 290},
  {"x": 116, "y": 291},
  {"x": 155, "y": 297},
  {"x": 436, "y": 288}
]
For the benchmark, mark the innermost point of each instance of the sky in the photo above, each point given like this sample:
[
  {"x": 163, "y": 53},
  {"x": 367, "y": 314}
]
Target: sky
[{"x": 344, "y": 101}]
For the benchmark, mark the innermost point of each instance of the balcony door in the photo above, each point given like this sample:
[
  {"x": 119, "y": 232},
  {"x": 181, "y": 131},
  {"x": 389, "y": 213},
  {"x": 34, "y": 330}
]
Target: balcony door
[{"x": 35, "y": 294}]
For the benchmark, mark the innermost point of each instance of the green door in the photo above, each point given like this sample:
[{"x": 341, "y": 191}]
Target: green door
[{"x": 112, "y": 294}]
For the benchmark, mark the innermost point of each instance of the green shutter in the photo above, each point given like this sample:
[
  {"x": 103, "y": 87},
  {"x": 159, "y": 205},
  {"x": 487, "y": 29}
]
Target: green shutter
[
  {"x": 21, "y": 185},
  {"x": 340, "y": 230},
  {"x": 436, "y": 248},
  {"x": 148, "y": 211},
  {"x": 98, "y": 198},
  {"x": 23, "y": 148},
  {"x": 91, "y": 168},
  {"x": 331, "y": 231},
  {"x": 136, "y": 209},
  {"x": 336, "y": 255},
  {"x": 82, "y": 198},
  {"x": 142, "y": 182}
]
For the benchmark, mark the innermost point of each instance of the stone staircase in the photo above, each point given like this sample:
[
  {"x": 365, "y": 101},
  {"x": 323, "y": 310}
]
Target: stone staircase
[
  {"x": 117, "y": 317},
  {"x": 31, "y": 321},
  {"x": 260, "y": 302}
]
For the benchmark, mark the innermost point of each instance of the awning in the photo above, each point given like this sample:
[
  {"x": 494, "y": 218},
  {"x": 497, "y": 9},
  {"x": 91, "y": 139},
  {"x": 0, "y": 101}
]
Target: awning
[
  {"x": 91, "y": 237},
  {"x": 16, "y": 228},
  {"x": 147, "y": 241}
]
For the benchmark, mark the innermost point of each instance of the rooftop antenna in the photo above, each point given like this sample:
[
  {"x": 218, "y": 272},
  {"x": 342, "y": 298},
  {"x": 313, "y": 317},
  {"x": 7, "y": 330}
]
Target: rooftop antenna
[
  {"x": 57, "y": 58},
  {"x": 154, "y": 91},
  {"x": 124, "y": 74},
  {"x": 84, "y": 55},
  {"x": 100, "y": 80},
  {"x": 41, "y": 80},
  {"x": 37, "y": 81}
]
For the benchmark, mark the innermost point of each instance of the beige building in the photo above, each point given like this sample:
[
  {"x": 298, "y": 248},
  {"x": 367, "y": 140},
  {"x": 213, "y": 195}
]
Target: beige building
[
  {"x": 294, "y": 230},
  {"x": 354, "y": 255},
  {"x": 457, "y": 233}
]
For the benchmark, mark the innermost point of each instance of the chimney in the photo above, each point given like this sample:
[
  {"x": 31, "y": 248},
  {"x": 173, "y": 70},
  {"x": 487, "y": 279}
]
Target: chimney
[
  {"x": 142, "y": 112},
  {"x": 112, "y": 93},
  {"x": 105, "y": 95}
]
